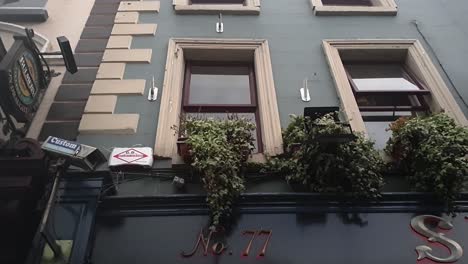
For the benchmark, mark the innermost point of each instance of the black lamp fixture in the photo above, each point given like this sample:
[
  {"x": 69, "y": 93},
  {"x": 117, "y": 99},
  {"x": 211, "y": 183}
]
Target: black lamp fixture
[{"x": 67, "y": 54}]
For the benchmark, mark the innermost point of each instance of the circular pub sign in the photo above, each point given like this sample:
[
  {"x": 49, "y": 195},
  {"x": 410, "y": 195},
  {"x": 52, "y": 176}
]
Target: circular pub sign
[{"x": 22, "y": 72}]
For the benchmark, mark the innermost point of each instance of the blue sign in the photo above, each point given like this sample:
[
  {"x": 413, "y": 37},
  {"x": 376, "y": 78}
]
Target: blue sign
[{"x": 63, "y": 146}]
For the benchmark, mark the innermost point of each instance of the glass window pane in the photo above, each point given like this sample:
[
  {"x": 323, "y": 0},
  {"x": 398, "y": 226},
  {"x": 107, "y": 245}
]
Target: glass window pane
[
  {"x": 217, "y": 1},
  {"x": 378, "y": 124},
  {"x": 347, "y": 2},
  {"x": 390, "y": 115},
  {"x": 385, "y": 100},
  {"x": 378, "y": 132},
  {"x": 223, "y": 116},
  {"x": 219, "y": 85},
  {"x": 380, "y": 77}
]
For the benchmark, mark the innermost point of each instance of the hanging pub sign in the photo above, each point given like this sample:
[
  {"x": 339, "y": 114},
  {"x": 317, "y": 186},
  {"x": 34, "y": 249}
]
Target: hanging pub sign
[{"x": 21, "y": 80}]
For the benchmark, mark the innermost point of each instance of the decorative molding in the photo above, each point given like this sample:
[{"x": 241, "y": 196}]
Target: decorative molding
[
  {"x": 119, "y": 42},
  {"x": 119, "y": 87},
  {"x": 251, "y": 7},
  {"x": 169, "y": 114},
  {"x": 417, "y": 60},
  {"x": 134, "y": 29},
  {"x": 127, "y": 55},
  {"x": 126, "y": 18},
  {"x": 110, "y": 71},
  {"x": 382, "y": 8},
  {"x": 140, "y": 6},
  {"x": 101, "y": 104},
  {"x": 109, "y": 124}
]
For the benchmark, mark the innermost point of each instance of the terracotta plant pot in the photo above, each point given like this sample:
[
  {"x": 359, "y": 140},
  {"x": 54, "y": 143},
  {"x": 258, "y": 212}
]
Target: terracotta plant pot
[{"x": 183, "y": 149}]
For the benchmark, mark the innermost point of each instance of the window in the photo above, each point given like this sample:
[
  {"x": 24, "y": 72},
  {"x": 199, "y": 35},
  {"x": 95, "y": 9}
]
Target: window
[
  {"x": 385, "y": 92},
  {"x": 347, "y": 2},
  {"x": 213, "y": 89},
  {"x": 396, "y": 78},
  {"x": 354, "y": 7},
  {"x": 197, "y": 65},
  {"x": 238, "y": 7},
  {"x": 217, "y": 2}
]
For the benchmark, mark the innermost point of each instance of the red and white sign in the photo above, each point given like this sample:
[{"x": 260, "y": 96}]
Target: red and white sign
[{"x": 131, "y": 156}]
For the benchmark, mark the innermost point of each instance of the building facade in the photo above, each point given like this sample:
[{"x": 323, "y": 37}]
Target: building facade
[{"x": 263, "y": 52}]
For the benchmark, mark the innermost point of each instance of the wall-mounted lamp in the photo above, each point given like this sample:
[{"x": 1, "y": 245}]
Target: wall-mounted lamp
[
  {"x": 305, "y": 95},
  {"x": 220, "y": 25}
]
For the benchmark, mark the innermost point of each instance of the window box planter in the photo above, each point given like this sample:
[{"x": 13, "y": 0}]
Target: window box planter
[
  {"x": 336, "y": 138},
  {"x": 341, "y": 137}
]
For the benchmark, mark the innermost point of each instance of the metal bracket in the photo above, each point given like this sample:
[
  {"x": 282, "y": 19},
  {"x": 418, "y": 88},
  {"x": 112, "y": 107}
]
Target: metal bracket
[
  {"x": 220, "y": 24},
  {"x": 305, "y": 95},
  {"x": 153, "y": 92}
]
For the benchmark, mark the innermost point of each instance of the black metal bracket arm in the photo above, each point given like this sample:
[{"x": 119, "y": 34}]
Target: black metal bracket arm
[{"x": 59, "y": 168}]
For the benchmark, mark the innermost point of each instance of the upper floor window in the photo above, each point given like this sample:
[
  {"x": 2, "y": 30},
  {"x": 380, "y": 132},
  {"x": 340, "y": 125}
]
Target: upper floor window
[
  {"x": 348, "y": 2},
  {"x": 237, "y": 7},
  {"x": 354, "y": 7},
  {"x": 217, "y": 2},
  {"x": 216, "y": 90},
  {"x": 385, "y": 92},
  {"x": 215, "y": 78},
  {"x": 379, "y": 81}
]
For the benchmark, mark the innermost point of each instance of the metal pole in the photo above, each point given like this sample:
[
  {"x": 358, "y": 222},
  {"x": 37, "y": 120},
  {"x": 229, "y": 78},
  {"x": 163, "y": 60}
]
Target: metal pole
[{"x": 50, "y": 239}]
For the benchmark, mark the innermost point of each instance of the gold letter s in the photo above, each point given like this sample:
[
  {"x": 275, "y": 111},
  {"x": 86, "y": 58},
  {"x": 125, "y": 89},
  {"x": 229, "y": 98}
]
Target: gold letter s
[{"x": 418, "y": 225}]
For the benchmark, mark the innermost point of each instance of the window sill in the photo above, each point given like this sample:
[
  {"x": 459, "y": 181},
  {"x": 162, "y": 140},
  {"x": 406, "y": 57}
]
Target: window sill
[
  {"x": 216, "y": 9},
  {"x": 256, "y": 157},
  {"x": 250, "y": 7}
]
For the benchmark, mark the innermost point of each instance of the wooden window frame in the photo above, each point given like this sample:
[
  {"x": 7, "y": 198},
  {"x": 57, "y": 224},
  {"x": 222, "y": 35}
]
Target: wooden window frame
[
  {"x": 348, "y": 3},
  {"x": 380, "y": 8},
  {"x": 248, "y": 7},
  {"x": 223, "y": 2},
  {"x": 255, "y": 51},
  {"x": 416, "y": 59},
  {"x": 423, "y": 91},
  {"x": 224, "y": 108},
  {"x": 219, "y": 107}
]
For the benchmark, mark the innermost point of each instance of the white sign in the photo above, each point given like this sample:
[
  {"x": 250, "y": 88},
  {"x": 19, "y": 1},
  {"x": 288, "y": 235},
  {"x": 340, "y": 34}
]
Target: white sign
[{"x": 131, "y": 156}]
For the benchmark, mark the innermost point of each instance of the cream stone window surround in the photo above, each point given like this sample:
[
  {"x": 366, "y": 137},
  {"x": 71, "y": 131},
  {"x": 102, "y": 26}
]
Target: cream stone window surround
[
  {"x": 415, "y": 58},
  {"x": 380, "y": 7},
  {"x": 250, "y": 7},
  {"x": 181, "y": 49}
]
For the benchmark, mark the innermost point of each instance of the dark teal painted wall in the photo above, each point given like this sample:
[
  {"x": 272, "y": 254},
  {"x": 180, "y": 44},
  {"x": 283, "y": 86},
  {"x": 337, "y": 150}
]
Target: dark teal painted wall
[{"x": 294, "y": 34}]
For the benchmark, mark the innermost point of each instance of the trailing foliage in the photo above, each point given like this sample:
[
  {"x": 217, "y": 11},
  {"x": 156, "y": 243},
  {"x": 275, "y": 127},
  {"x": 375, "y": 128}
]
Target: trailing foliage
[
  {"x": 432, "y": 152},
  {"x": 219, "y": 149},
  {"x": 353, "y": 167}
]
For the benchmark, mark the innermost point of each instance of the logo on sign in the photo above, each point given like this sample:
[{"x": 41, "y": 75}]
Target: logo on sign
[
  {"x": 419, "y": 225},
  {"x": 66, "y": 146},
  {"x": 24, "y": 83},
  {"x": 130, "y": 155}
]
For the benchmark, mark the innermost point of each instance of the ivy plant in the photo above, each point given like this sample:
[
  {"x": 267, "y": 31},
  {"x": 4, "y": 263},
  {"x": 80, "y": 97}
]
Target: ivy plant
[
  {"x": 354, "y": 167},
  {"x": 432, "y": 152},
  {"x": 219, "y": 150}
]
